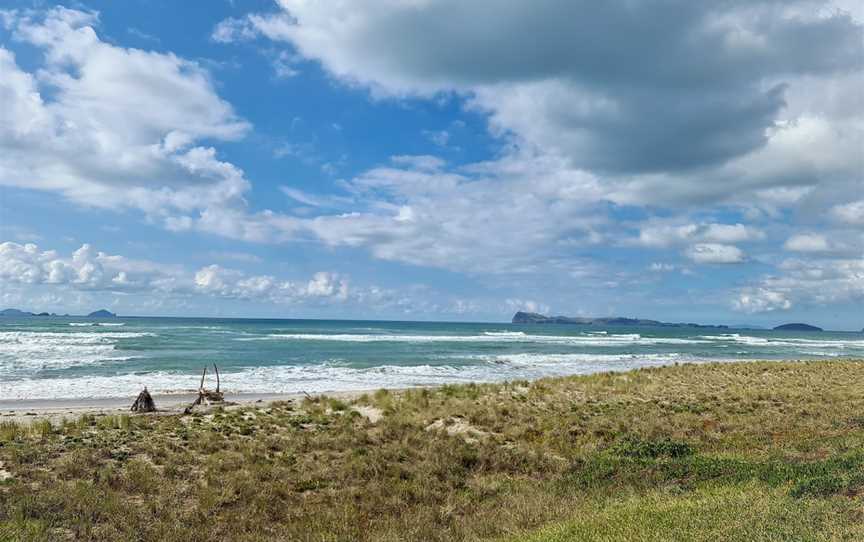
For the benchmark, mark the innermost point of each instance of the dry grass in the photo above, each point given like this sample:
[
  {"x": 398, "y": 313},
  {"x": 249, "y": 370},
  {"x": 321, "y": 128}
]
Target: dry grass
[{"x": 761, "y": 451}]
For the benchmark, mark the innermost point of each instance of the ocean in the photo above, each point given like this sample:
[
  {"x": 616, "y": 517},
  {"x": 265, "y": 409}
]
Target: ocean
[{"x": 46, "y": 358}]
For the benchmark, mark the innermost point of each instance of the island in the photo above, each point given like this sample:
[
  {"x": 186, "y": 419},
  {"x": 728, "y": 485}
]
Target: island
[
  {"x": 18, "y": 313},
  {"x": 15, "y": 312},
  {"x": 797, "y": 327},
  {"x": 102, "y": 313},
  {"x": 535, "y": 318}
]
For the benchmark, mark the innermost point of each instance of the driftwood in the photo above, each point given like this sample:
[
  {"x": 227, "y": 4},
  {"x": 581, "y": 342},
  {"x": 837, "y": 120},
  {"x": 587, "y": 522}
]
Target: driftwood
[
  {"x": 144, "y": 402},
  {"x": 205, "y": 396}
]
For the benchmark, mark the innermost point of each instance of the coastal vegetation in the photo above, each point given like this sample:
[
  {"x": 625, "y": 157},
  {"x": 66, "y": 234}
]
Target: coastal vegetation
[{"x": 724, "y": 451}]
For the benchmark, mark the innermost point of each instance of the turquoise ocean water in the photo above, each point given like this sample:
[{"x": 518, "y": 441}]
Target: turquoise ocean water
[{"x": 78, "y": 357}]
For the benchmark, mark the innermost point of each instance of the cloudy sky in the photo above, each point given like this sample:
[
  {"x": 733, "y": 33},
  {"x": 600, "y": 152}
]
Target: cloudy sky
[{"x": 435, "y": 159}]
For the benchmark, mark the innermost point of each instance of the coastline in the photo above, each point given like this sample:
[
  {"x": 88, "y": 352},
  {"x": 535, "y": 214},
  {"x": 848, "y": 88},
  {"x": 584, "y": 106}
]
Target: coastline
[
  {"x": 69, "y": 408},
  {"x": 56, "y": 410}
]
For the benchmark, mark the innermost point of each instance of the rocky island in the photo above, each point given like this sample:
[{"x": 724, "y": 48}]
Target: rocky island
[
  {"x": 797, "y": 327},
  {"x": 102, "y": 313}
]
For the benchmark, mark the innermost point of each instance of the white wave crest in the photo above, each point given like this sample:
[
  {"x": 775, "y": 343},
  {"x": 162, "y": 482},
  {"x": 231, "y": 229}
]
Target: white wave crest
[
  {"x": 575, "y": 340},
  {"x": 771, "y": 342},
  {"x": 331, "y": 377},
  {"x": 28, "y": 352}
]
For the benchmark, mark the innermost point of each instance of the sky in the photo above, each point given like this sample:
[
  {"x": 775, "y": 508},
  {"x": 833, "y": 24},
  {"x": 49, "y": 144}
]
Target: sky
[{"x": 435, "y": 159}]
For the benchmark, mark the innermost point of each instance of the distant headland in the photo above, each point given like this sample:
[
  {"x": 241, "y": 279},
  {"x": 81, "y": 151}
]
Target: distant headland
[
  {"x": 522, "y": 317},
  {"x": 101, "y": 313},
  {"x": 534, "y": 318}
]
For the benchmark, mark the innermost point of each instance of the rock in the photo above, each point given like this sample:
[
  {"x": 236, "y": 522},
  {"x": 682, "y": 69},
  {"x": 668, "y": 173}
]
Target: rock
[{"x": 797, "y": 327}]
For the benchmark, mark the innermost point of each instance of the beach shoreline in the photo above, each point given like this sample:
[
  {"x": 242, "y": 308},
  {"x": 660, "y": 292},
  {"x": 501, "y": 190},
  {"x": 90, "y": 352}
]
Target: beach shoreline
[{"x": 56, "y": 410}]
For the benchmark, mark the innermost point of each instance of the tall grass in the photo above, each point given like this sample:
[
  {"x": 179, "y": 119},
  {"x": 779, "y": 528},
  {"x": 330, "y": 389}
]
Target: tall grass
[{"x": 710, "y": 452}]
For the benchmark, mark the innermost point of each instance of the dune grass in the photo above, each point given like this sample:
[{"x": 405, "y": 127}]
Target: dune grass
[{"x": 743, "y": 451}]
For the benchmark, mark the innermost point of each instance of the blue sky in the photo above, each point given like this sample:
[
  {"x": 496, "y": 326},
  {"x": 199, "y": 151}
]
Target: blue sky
[{"x": 434, "y": 160}]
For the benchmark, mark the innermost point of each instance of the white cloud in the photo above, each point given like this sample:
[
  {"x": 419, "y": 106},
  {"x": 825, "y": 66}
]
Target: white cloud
[
  {"x": 527, "y": 305},
  {"x": 275, "y": 26},
  {"x": 31, "y": 277},
  {"x": 806, "y": 282},
  {"x": 512, "y": 213},
  {"x": 850, "y": 213},
  {"x": 113, "y": 127},
  {"x": 84, "y": 269},
  {"x": 754, "y": 300},
  {"x": 708, "y": 253},
  {"x": 89, "y": 270},
  {"x": 807, "y": 242},
  {"x": 233, "y": 29},
  {"x": 659, "y": 267},
  {"x": 665, "y": 235}
]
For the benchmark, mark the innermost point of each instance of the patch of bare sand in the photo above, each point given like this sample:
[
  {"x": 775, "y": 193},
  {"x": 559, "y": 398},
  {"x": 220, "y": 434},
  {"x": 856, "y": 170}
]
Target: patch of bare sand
[
  {"x": 4, "y": 474},
  {"x": 457, "y": 426},
  {"x": 371, "y": 413}
]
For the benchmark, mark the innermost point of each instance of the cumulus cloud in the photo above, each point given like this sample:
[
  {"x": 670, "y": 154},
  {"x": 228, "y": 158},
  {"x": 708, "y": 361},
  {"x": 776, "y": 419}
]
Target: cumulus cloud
[
  {"x": 31, "y": 276},
  {"x": 754, "y": 300},
  {"x": 806, "y": 282},
  {"x": 677, "y": 85},
  {"x": 708, "y": 253},
  {"x": 113, "y": 127},
  {"x": 84, "y": 269},
  {"x": 527, "y": 305},
  {"x": 87, "y": 269},
  {"x": 850, "y": 213},
  {"x": 216, "y": 280},
  {"x": 512, "y": 212},
  {"x": 807, "y": 242},
  {"x": 664, "y": 235}
]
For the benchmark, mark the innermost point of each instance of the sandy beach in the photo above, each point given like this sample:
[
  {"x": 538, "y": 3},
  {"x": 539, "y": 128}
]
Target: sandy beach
[{"x": 56, "y": 410}]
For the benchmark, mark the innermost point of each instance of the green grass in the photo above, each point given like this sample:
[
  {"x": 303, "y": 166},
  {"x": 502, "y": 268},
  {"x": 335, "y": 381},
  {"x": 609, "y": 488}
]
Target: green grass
[
  {"x": 748, "y": 451},
  {"x": 711, "y": 514}
]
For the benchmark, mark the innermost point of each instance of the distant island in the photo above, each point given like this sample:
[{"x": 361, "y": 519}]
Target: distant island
[
  {"x": 15, "y": 312},
  {"x": 102, "y": 313},
  {"x": 797, "y": 327},
  {"x": 18, "y": 313},
  {"x": 534, "y": 318}
]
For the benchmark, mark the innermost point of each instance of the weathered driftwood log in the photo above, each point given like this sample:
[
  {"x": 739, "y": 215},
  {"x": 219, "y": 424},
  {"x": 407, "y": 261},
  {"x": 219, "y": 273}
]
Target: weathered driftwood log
[
  {"x": 144, "y": 402},
  {"x": 205, "y": 396}
]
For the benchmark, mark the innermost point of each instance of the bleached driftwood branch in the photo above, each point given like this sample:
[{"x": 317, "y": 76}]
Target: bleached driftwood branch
[{"x": 205, "y": 396}]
